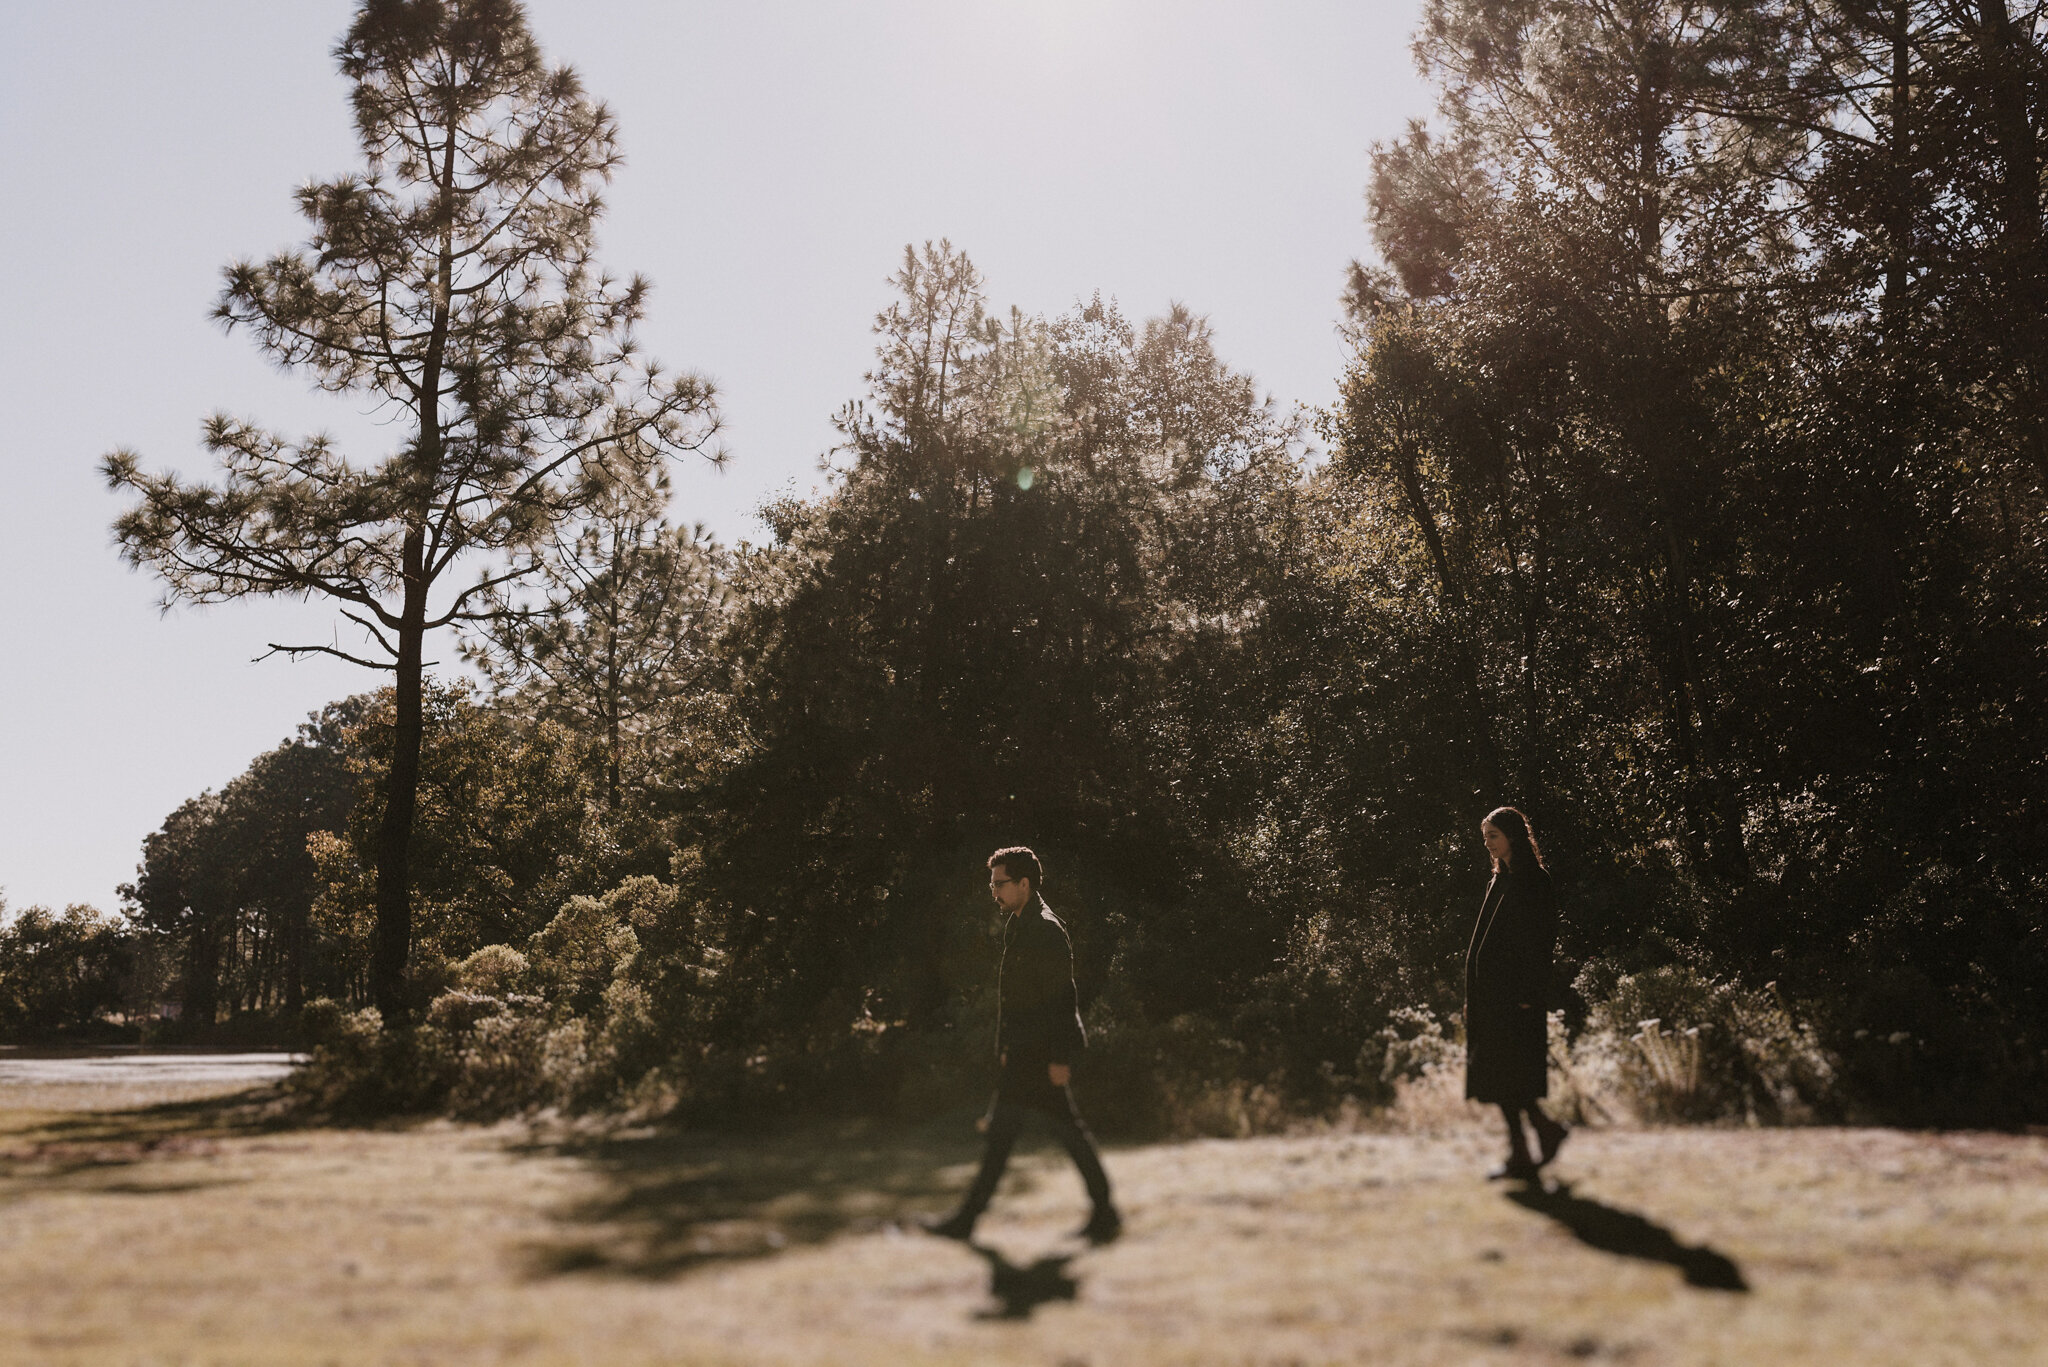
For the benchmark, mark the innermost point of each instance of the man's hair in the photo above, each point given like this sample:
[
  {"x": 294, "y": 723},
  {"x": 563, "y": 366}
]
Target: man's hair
[{"x": 1019, "y": 862}]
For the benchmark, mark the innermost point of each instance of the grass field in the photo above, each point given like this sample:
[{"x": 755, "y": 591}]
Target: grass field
[{"x": 186, "y": 1232}]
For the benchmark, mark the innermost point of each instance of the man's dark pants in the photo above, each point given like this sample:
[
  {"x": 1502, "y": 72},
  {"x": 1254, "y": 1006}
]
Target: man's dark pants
[{"x": 1016, "y": 1098}]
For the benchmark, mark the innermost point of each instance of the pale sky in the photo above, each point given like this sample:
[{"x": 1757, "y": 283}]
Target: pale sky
[{"x": 779, "y": 156}]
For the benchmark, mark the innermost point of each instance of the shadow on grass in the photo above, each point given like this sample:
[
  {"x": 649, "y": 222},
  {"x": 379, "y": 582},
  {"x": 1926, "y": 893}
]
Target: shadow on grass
[
  {"x": 81, "y": 1149},
  {"x": 1020, "y": 1290},
  {"x": 1612, "y": 1230},
  {"x": 672, "y": 1201}
]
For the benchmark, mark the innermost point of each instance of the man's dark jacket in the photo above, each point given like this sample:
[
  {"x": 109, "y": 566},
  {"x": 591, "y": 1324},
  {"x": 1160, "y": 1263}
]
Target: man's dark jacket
[{"x": 1038, "y": 1012}]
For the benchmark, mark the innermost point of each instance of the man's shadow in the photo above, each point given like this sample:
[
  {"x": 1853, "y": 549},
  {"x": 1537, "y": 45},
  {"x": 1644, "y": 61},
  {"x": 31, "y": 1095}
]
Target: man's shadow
[
  {"x": 1631, "y": 1235},
  {"x": 1020, "y": 1290}
]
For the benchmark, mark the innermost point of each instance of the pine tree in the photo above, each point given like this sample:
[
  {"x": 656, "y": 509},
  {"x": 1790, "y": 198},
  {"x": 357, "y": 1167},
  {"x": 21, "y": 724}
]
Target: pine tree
[
  {"x": 451, "y": 284},
  {"x": 613, "y": 636}
]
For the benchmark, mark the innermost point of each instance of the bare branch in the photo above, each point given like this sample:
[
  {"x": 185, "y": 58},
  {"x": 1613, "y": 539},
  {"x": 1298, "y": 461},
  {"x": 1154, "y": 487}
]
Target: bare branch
[{"x": 296, "y": 651}]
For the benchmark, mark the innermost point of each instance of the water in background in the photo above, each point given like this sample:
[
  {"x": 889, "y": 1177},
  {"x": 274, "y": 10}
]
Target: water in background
[{"x": 130, "y": 1068}]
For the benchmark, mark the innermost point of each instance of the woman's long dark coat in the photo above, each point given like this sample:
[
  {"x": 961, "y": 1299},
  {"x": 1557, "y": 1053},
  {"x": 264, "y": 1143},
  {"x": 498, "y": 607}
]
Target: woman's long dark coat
[{"x": 1507, "y": 988}]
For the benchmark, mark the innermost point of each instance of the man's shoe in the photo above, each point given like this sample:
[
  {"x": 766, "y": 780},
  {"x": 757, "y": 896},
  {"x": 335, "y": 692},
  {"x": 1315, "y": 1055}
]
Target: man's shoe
[
  {"x": 1103, "y": 1226},
  {"x": 959, "y": 1225},
  {"x": 1549, "y": 1140},
  {"x": 1516, "y": 1169}
]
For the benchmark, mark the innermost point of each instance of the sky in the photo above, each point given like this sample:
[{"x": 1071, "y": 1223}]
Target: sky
[{"x": 779, "y": 156}]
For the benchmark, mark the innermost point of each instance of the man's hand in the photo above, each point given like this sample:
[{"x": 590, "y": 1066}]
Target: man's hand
[{"x": 1059, "y": 1073}]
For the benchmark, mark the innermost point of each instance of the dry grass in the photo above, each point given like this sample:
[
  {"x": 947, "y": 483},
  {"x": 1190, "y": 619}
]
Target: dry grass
[{"x": 191, "y": 1234}]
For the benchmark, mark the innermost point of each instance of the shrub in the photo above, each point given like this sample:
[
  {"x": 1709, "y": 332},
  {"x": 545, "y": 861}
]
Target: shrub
[
  {"x": 505, "y": 1060},
  {"x": 576, "y": 955},
  {"x": 358, "y": 1068},
  {"x": 1411, "y": 1044},
  {"x": 63, "y": 973},
  {"x": 1182, "y": 1077},
  {"x": 1675, "y": 1044},
  {"x": 493, "y": 971},
  {"x": 1670, "y": 1044},
  {"x": 604, "y": 1006}
]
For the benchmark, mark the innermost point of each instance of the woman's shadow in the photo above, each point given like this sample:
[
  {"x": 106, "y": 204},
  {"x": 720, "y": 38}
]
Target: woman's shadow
[
  {"x": 1631, "y": 1235},
  {"x": 1020, "y": 1290}
]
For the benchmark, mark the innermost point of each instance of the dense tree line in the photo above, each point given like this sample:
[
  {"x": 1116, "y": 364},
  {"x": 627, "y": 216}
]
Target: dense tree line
[
  {"x": 1686, "y": 490},
  {"x": 229, "y": 882},
  {"x": 64, "y": 975},
  {"x": 1698, "y": 393}
]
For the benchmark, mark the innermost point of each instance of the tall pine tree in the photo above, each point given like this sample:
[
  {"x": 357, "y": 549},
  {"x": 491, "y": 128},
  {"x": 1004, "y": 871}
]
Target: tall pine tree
[{"x": 451, "y": 284}]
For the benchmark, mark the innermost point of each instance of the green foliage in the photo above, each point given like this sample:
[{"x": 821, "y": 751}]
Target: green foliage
[
  {"x": 1675, "y": 501},
  {"x": 614, "y": 641},
  {"x": 449, "y": 284},
  {"x": 602, "y": 1008},
  {"x": 355, "y": 1068},
  {"x": 1685, "y": 489},
  {"x": 64, "y": 972},
  {"x": 501, "y": 833},
  {"x": 226, "y": 887},
  {"x": 493, "y": 971},
  {"x": 1693, "y": 1047},
  {"x": 1411, "y": 1044},
  {"x": 1047, "y": 536},
  {"x": 450, "y": 281},
  {"x": 1184, "y": 1076}
]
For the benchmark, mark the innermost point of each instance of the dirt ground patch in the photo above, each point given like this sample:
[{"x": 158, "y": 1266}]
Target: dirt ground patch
[{"x": 190, "y": 1234}]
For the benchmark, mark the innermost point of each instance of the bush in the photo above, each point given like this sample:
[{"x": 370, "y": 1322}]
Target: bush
[
  {"x": 493, "y": 971},
  {"x": 357, "y": 1068},
  {"x": 1688, "y": 1047},
  {"x": 1918, "y": 1053},
  {"x": 602, "y": 1007},
  {"x": 503, "y": 1057},
  {"x": 1669, "y": 1044},
  {"x": 62, "y": 974},
  {"x": 1181, "y": 1078},
  {"x": 1412, "y": 1044}
]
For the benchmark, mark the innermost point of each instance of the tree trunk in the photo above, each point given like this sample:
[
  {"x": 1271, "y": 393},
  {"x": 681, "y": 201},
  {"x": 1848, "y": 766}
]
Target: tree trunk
[
  {"x": 393, "y": 934},
  {"x": 295, "y": 938},
  {"x": 394, "y": 837},
  {"x": 202, "y": 973},
  {"x": 1409, "y": 467},
  {"x": 296, "y": 915}
]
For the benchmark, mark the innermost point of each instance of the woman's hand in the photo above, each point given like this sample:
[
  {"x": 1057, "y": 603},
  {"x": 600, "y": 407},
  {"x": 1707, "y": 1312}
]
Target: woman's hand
[{"x": 1059, "y": 1073}]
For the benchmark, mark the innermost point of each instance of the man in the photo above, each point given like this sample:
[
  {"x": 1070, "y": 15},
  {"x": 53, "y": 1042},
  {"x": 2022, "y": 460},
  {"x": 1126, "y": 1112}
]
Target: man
[{"x": 1038, "y": 1033}]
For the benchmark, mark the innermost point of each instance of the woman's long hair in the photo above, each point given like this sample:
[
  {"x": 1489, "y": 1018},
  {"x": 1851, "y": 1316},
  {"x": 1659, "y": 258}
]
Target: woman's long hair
[{"x": 1523, "y": 850}]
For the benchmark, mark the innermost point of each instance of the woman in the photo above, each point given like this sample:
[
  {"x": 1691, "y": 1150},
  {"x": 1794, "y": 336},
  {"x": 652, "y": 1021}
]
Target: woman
[{"x": 1507, "y": 985}]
